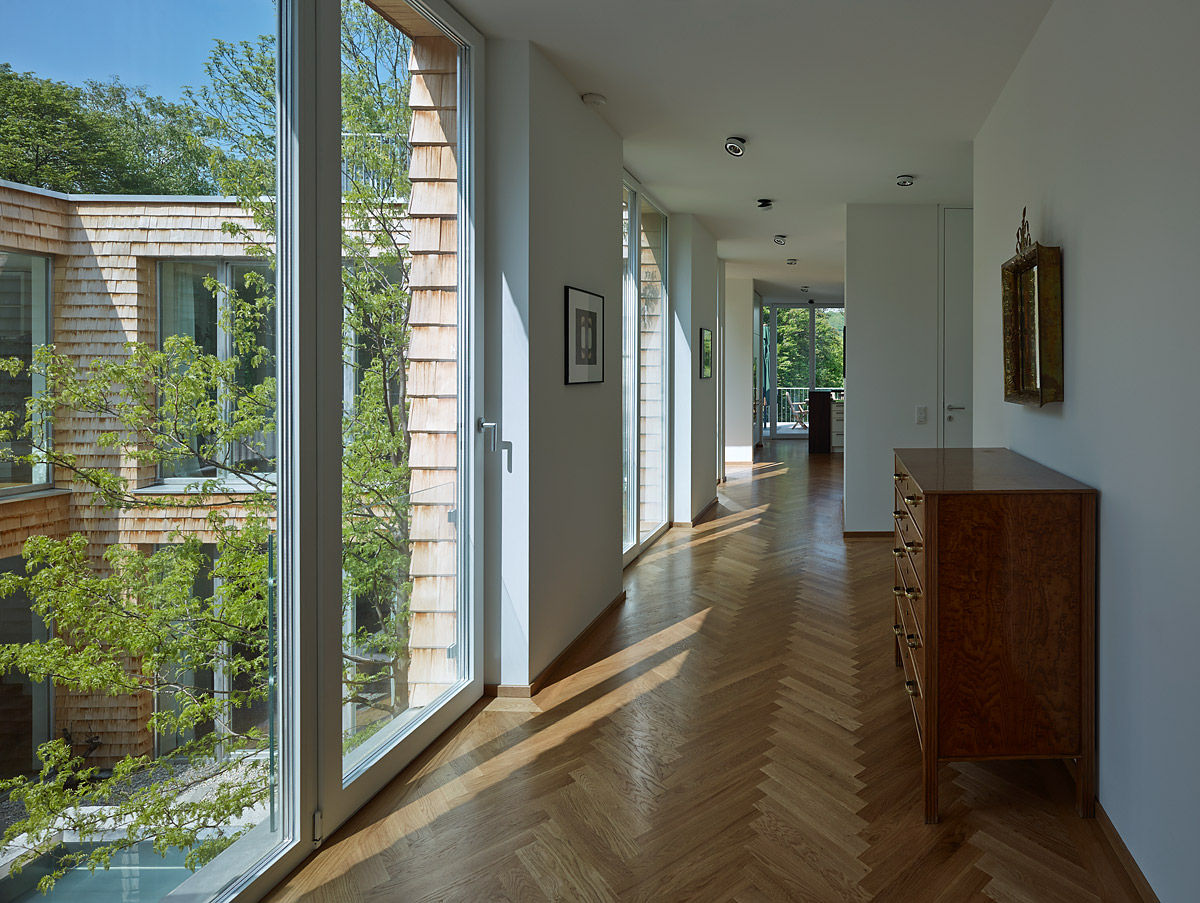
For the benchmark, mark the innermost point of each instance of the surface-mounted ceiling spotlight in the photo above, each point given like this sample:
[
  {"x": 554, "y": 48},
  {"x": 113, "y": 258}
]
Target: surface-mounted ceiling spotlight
[
  {"x": 905, "y": 181},
  {"x": 593, "y": 100},
  {"x": 804, "y": 288},
  {"x": 765, "y": 203},
  {"x": 735, "y": 146},
  {"x": 791, "y": 261},
  {"x": 780, "y": 239}
]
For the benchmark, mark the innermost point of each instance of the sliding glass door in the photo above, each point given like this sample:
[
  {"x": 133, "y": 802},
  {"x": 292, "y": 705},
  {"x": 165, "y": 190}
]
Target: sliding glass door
[{"x": 644, "y": 355}]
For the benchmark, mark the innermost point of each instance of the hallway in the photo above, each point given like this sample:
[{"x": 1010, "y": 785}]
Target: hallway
[{"x": 735, "y": 731}]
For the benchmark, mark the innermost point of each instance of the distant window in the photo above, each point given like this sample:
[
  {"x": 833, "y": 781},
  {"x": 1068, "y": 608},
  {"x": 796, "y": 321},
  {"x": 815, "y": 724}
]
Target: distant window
[
  {"x": 24, "y": 327},
  {"x": 196, "y": 300}
]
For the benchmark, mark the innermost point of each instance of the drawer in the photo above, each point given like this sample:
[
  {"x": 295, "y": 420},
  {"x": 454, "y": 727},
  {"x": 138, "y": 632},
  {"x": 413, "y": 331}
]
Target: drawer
[
  {"x": 910, "y": 586},
  {"x": 910, "y": 497},
  {"x": 906, "y": 527},
  {"x": 912, "y": 689}
]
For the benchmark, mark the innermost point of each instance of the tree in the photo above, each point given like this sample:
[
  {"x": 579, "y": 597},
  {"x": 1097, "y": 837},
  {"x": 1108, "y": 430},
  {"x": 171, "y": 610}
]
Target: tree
[
  {"x": 103, "y": 138},
  {"x": 134, "y": 623}
]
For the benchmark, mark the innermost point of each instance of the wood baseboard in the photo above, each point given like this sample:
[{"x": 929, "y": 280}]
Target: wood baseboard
[
  {"x": 1145, "y": 891},
  {"x": 528, "y": 691},
  {"x": 867, "y": 534}
]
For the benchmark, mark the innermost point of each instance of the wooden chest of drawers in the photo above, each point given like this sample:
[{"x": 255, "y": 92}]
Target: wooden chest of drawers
[{"x": 994, "y": 608}]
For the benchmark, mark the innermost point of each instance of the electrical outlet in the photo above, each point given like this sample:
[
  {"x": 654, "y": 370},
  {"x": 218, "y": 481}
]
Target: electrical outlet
[{"x": 922, "y": 414}]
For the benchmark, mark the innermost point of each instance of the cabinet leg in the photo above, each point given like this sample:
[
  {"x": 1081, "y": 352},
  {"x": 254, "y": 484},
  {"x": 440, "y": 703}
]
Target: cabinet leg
[
  {"x": 1085, "y": 786},
  {"x": 930, "y": 781}
]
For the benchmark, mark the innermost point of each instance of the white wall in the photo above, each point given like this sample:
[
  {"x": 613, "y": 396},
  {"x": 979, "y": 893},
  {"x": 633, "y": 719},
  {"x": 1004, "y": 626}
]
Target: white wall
[
  {"x": 693, "y": 281},
  {"x": 891, "y": 349},
  {"x": 551, "y": 162},
  {"x": 1097, "y": 131},
  {"x": 739, "y": 360}
]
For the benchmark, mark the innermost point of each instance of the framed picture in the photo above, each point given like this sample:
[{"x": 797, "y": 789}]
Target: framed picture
[
  {"x": 585, "y": 337},
  {"x": 705, "y": 353}
]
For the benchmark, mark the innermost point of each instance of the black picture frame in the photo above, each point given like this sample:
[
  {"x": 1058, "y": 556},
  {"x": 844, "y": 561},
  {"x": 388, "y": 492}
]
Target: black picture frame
[
  {"x": 706, "y": 352},
  {"x": 583, "y": 328}
]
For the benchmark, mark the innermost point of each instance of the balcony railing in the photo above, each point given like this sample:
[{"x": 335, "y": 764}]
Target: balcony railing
[{"x": 791, "y": 404}]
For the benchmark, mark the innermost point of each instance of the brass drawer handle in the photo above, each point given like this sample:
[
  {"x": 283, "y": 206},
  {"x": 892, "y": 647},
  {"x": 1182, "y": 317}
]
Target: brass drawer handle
[
  {"x": 912, "y": 641},
  {"x": 897, "y": 629},
  {"x": 913, "y": 499},
  {"x": 898, "y": 477},
  {"x": 910, "y": 687},
  {"x": 899, "y": 553},
  {"x": 912, "y": 594},
  {"x": 913, "y": 546},
  {"x": 899, "y": 515},
  {"x": 899, "y": 591}
]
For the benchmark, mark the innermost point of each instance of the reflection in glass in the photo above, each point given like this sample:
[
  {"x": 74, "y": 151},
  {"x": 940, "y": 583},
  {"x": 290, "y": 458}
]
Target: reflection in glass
[{"x": 403, "y": 647}]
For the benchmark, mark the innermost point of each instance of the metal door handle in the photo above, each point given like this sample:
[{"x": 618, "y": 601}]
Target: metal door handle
[
  {"x": 489, "y": 430},
  {"x": 956, "y": 407}
]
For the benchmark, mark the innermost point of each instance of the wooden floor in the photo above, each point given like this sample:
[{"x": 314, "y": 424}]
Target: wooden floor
[{"x": 735, "y": 731}]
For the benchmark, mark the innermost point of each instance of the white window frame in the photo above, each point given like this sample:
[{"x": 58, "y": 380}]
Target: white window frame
[{"x": 631, "y": 297}]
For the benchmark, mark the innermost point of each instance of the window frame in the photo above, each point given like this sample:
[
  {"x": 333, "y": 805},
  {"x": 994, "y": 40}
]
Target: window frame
[
  {"x": 13, "y": 492},
  {"x": 224, "y": 267}
]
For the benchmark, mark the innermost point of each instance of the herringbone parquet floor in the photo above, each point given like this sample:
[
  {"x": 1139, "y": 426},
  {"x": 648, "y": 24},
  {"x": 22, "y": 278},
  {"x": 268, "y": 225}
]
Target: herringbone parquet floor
[{"x": 735, "y": 731}]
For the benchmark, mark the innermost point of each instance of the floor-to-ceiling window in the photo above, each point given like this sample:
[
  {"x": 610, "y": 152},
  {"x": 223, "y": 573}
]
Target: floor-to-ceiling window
[
  {"x": 644, "y": 371},
  {"x": 255, "y": 597},
  {"x": 805, "y": 352}
]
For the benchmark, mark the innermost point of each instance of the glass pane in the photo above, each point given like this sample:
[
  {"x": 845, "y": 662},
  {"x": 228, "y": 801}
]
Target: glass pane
[
  {"x": 139, "y": 623},
  {"x": 791, "y": 371},
  {"x": 24, "y": 300},
  {"x": 629, "y": 381},
  {"x": 652, "y": 368},
  {"x": 404, "y": 625},
  {"x": 830, "y": 348}
]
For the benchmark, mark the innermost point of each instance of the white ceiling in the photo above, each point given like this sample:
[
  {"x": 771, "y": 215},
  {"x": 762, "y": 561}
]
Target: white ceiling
[{"x": 834, "y": 97}]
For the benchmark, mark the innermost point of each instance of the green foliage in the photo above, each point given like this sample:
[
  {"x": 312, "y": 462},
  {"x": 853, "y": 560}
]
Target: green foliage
[
  {"x": 792, "y": 330},
  {"x": 138, "y": 620},
  {"x": 103, "y": 138}
]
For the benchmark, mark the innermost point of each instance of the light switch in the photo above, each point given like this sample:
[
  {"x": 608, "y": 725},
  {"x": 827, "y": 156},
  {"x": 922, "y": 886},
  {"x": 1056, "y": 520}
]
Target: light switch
[{"x": 922, "y": 414}]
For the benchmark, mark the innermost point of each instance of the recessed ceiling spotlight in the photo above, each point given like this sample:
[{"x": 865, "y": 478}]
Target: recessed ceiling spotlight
[
  {"x": 765, "y": 203},
  {"x": 791, "y": 261},
  {"x": 735, "y": 146},
  {"x": 905, "y": 181},
  {"x": 780, "y": 239},
  {"x": 593, "y": 100}
]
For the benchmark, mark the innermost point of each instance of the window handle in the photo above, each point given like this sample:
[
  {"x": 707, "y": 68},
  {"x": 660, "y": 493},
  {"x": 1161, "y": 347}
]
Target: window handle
[{"x": 489, "y": 430}]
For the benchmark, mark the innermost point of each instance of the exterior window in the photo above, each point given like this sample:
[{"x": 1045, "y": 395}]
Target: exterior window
[
  {"x": 24, "y": 327},
  {"x": 644, "y": 370},
  {"x": 224, "y": 310},
  {"x": 25, "y": 704}
]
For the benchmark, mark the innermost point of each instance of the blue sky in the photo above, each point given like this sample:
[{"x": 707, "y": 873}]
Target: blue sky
[{"x": 161, "y": 44}]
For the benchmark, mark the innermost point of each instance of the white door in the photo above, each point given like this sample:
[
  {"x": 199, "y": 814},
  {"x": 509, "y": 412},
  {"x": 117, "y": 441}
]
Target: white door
[{"x": 956, "y": 303}]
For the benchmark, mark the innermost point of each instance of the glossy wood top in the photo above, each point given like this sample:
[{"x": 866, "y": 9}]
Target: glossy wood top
[{"x": 938, "y": 470}]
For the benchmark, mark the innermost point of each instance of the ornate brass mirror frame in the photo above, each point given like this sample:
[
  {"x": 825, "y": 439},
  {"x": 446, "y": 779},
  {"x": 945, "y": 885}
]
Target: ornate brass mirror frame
[{"x": 1033, "y": 322}]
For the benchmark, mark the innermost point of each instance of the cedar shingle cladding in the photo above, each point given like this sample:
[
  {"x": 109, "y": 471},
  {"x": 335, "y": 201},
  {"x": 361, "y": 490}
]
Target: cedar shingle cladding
[{"x": 104, "y": 253}]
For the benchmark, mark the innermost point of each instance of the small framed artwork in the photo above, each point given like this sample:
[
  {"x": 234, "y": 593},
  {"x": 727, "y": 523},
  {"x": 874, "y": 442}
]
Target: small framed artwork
[
  {"x": 705, "y": 353},
  {"x": 585, "y": 337}
]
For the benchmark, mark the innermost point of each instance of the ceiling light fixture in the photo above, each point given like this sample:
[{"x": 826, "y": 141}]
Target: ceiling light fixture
[
  {"x": 765, "y": 203},
  {"x": 905, "y": 181},
  {"x": 593, "y": 100},
  {"x": 735, "y": 146},
  {"x": 804, "y": 288},
  {"x": 791, "y": 261},
  {"x": 780, "y": 239}
]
